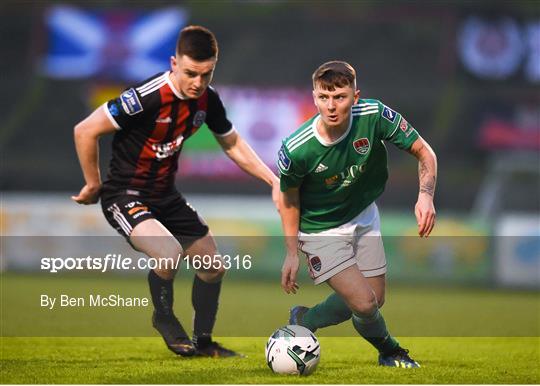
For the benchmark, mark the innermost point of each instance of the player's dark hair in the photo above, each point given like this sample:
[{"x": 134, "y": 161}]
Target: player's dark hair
[
  {"x": 334, "y": 74},
  {"x": 197, "y": 42}
]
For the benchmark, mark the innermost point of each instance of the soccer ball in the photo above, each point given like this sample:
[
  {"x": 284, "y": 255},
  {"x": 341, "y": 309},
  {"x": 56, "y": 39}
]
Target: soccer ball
[{"x": 293, "y": 350}]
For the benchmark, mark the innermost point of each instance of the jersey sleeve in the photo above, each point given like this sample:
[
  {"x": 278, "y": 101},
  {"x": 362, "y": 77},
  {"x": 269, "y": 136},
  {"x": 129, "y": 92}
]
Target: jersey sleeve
[
  {"x": 216, "y": 117},
  {"x": 395, "y": 128},
  {"x": 290, "y": 171},
  {"x": 129, "y": 110}
]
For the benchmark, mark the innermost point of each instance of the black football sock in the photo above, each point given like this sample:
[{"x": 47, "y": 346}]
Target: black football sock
[
  {"x": 162, "y": 294},
  {"x": 205, "y": 298}
]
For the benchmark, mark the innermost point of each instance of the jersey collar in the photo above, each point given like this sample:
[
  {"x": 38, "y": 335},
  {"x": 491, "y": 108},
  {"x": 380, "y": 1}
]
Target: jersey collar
[
  {"x": 324, "y": 142},
  {"x": 171, "y": 85}
]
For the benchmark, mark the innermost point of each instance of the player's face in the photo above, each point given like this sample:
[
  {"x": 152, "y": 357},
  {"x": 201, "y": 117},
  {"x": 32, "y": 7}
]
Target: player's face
[
  {"x": 335, "y": 106},
  {"x": 192, "y": 77}
]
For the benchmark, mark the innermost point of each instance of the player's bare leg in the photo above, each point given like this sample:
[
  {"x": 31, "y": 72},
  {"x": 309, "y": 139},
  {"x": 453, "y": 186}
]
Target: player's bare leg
[
  {"x": 333, "y": 310},
  {"x": 378, "y": 284},
  {"x": 153, "y": 239},
  {"x": 205, "y": 295},
  {"x": 206, "y": 246},
  {"x": 351, "y": 285}
]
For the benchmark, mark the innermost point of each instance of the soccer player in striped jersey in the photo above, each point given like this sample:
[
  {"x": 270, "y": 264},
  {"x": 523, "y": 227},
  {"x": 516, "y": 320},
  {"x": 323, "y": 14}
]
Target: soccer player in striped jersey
[
  {"x": 332, "y": 169},
  {"x": 151, "y": 122}
]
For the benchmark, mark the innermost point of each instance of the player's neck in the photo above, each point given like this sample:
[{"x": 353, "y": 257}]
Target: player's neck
[
  {"x": 177, "y": 87},
  {"x": 331, "y": 133}
]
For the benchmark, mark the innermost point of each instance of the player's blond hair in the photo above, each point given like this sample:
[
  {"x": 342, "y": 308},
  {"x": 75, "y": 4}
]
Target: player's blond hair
[{"x": 334, "y": 74}]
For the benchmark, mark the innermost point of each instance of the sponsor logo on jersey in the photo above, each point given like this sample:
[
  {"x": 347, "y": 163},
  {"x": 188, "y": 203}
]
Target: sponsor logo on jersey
[
  {"x": 405, "y": 127},
  {"x": 130, "y": 102},
  {"x": 389, "y": 114},
  {"x": 361, "y": 145},
  {"x": 199, "y": 118},
  {"x": 164, "y": 150},
  {"x": 321, "y": 168},
  {"x": 351, "y": 174},
  {"x": 346, "y": 178},
  {"x": 137, "y": 215},
  {"x": 315, "y": 263},
  {"x": 132, "y": 204},
  {"x": 284, "y": 163},
  {"x": 137, "y": 209},
  {"x": 330, "y": 182}
]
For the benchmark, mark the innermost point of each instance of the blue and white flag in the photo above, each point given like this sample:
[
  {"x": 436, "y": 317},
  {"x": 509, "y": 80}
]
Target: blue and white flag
[{"x": 121, "y": 45}]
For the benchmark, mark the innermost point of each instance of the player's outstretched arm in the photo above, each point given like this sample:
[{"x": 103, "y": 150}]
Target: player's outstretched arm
[
  {"x": 245, "y": 157},
  {"x": 427, "y": 174},
  {"x": 87, "y": 133},
  {"x": 289, "y": 203}
]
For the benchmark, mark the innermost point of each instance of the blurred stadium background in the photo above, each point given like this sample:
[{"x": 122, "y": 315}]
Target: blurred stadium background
[{"x": 466, "y": 74}]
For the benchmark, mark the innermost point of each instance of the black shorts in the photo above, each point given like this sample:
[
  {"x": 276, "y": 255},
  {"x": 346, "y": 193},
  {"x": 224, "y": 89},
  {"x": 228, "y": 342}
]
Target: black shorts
[{"x": 124, "y": 211}]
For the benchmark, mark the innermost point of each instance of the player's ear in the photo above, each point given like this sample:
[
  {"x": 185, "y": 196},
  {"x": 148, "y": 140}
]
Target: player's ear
[
  {"x": 356, "y": 96},
  {"x": 174, "y": 63},
  {"x": 314, "y": 97}
]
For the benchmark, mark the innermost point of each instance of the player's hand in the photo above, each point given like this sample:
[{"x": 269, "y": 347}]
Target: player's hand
[
  {"x": 425, "y": 214},
  {"x": 88, "y": 195},
  {"x": 289, "y": 272},
  {"x": 275, "y": 192}
]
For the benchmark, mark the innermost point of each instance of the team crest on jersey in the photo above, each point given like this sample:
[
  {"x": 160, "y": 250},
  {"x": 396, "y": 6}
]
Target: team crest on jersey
[
  {"x": 199, "y": 118},
  {"x": 389, "y": 114},
  {"x": 361, "y": 145},
  {"x": 315, "y": 263},
  {"x": 130, "y": 102},
  {"x": 284, "y": 162}
]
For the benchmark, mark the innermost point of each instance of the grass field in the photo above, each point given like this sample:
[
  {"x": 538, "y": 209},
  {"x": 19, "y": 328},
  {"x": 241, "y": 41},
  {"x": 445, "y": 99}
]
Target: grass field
[
  {"x": 343, "y": 360},
  {"x": 459, "y": 335},
  {"x": 251, "y": 309}
]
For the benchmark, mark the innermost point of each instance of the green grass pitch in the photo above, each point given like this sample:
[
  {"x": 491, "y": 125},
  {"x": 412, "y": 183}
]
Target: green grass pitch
[
  {"x": 343, "y": 360},
  {"x": 458, "y": 335}
]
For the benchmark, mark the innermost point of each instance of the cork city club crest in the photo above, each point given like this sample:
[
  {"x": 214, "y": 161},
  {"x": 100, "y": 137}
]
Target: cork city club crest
[
  {"x": 315, "y": 263},
  {"x": 361, "y": 145}
]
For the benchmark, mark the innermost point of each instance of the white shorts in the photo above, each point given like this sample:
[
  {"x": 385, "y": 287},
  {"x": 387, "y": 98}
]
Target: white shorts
[{"x": 357, "y": 242}]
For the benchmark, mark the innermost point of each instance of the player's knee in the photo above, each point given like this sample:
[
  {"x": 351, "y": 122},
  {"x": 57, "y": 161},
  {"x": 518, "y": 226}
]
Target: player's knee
[
  {"x": 165, "y": 274},
  {"x": 365, "y": 305},
  {"x": 213, "y": 276},
  {"x": 166, "y": 260},
  {"x": 380, "y": 301},
  {"x": 217, "y": 274},
  {"x": 212, "y": 271}
]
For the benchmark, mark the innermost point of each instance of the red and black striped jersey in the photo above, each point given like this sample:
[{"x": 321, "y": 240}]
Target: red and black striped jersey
[{"x": 153, "y": 121}]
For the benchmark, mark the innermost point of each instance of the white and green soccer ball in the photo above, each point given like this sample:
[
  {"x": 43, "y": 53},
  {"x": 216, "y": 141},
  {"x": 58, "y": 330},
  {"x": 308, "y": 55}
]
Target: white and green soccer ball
[{"x": 293, "y": 350}]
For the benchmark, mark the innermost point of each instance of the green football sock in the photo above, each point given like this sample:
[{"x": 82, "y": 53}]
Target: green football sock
[
  {"x": 373, "y": 329},
  {"x": 331, "y": 311}
]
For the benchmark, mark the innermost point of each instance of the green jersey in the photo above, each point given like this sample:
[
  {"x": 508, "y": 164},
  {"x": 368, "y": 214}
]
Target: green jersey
[{"x": 340, "y": 179}]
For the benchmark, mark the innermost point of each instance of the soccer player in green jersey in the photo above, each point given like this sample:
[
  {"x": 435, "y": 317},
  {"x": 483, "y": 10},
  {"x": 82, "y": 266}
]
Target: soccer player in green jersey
[{"x": 333, "y": 168}]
